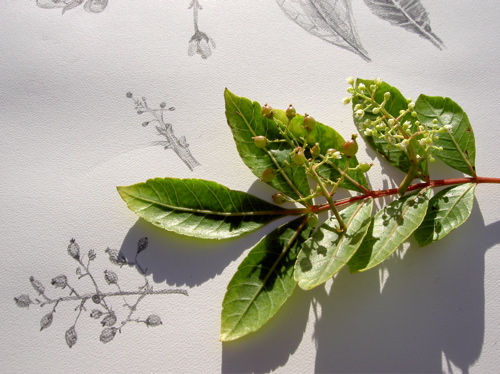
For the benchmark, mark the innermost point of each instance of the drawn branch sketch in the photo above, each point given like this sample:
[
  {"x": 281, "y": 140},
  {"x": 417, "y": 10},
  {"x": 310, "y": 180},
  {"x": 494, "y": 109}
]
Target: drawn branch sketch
[
  {"x": 333, "y": 21},
  {"x": 200, "y": 43},
  {"x": 102, "y": 309},
  {"x": 179, "y": 145},
  {"x": 330, "y": 20},
  {"x": 408, "y": 14}
]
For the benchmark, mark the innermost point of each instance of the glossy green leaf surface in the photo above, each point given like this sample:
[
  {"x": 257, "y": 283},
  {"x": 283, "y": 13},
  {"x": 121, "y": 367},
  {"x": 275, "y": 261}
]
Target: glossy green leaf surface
[
  {"x": 328, "y": 251},
  {"x": 198, "y": 208},
  {"x": 390, "y": 227},
  {"x": 246, "y": 121},
  {"x": 263, "y": 281},
  {"x": 459, "y": 150},
  {"x": 447, "y": 210}
]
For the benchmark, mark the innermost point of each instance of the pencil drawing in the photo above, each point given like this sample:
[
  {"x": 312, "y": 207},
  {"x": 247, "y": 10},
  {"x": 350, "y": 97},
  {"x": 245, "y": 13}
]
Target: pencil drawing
[
  {"x": 330, "y": 20},
  {"x": 92, "y": 6},
  {"x": 408, "y": 14},
  {"x": 103, "y": 309},
  {"x": 164, "y": 129},
  {"x": 199, "y": 43}
]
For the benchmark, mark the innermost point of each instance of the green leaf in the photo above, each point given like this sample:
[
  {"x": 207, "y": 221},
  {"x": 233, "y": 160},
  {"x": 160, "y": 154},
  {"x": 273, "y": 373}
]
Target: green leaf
[
  {"x": 459, "y": 150},
  {"x": 263, "y": 281},
  {"x": 328, "y": 251},
  {"x": 394, "y": 105},
  {"x": 447, "y": 210},
  {"x": 246, "y": 121},
  {"x": 390, "y": 227},
  {"x": 199, "y": 208}
]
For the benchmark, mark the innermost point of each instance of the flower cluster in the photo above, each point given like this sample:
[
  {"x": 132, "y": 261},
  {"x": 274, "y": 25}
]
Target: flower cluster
[
  {"x": 102, "y": 310},
  {"x": 402, "y": 131}
]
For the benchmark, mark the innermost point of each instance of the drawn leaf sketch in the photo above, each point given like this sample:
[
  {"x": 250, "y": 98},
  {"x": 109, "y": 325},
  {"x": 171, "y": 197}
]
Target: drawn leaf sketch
[
  {"x": 330, "y": 20},
  {"x": 200, "y": 42},
  {"x": 408, "y": 14}
]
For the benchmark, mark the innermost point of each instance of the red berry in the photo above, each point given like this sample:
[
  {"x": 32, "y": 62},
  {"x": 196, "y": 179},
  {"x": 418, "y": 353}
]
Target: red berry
[{"x": 350, "y": 147}]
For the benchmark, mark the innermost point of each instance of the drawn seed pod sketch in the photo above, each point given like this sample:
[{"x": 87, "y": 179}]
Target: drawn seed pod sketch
[
  {"x": 408, "y": 14},
  {"x": 330, "y": 20}
]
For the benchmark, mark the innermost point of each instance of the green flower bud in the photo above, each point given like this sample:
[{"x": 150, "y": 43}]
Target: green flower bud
[
  {"x": 309, "y": 122},
  {"x": 387, "y": 96},
  {"x": 268, "y": 175},
  {"x": 267, "y": 111},
  {"x": 260, "y": 141},
  {"x": 350, "y": 80},
  {"x": 290, "y": 112}
]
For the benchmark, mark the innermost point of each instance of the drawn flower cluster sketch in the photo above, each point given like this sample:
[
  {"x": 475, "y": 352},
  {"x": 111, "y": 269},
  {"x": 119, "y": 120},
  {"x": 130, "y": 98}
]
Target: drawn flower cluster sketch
[
  {"x": 333, "y": 21},
  {"x": 178, "y": 145},
  {"x": 101, "y": 308}
]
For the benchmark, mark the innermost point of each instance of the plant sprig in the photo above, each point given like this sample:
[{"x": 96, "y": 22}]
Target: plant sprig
[{"x": 304, "y": 159}]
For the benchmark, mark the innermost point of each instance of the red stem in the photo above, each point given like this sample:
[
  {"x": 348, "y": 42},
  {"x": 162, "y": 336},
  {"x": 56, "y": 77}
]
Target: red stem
[{"x": 413, "y": 187}]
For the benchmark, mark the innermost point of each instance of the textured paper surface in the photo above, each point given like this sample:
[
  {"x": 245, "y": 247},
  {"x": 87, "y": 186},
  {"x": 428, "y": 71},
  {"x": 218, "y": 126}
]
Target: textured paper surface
[{"x": 70, "y": 135}]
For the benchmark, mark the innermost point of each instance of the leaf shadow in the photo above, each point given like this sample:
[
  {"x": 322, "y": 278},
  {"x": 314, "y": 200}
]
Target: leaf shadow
[{"x": 430, "y": 308}]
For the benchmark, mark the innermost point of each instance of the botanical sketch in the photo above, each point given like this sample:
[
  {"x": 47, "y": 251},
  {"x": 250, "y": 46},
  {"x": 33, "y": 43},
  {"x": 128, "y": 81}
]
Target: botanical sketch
[
  {"x": 164, "y": 129},
  {"x": 103, "y": 310},
  {"x": 200, "y": 43},
  {"x": 332, "y": 20}
]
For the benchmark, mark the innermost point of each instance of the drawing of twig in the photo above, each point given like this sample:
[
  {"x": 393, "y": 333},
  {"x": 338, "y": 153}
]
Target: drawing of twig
[
  {"x": 330, "y": 20},
  {"x": 199, "y": 43},
  {"x": 179, "y": 145},
  {"x": 408, "y": 14},
  {"x": 93, "y": 6},
  {"x": 103, "y": 310}
]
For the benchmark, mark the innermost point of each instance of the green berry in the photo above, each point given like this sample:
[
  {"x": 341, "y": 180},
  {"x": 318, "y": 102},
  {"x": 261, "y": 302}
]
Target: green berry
[
  {"x": 312, "y": 220},
  {"x": 350, "y": 147},
  {"x": 315, "y": 150},
  {"x": 260, "y": 141},
  {"x": 267, "y": 111},
  {"x": 279, "y": 198},
  {"x": 309, "y": 122},
  {"x": 364, "y": 167},
  {"x": 298, "y": 156},
  {"x": 290, "y": 112},
  {"x": 268, "y": 175}
]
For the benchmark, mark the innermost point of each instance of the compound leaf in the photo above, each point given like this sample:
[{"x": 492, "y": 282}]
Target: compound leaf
[
  {"x": 459, "y": 149},
  {"x": 390, "y": 227},
  {"x": 198, "y": 208},
  {"x": 327, "y": 250},
  {"x": 447, "y": 210},
  {"x": 263, "y": 281}
]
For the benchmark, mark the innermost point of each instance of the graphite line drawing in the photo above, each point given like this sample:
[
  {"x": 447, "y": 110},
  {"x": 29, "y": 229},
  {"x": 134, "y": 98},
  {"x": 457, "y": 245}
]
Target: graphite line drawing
[
  {"x": 178, "y": 145},
  {"x": 103, "y": 309},
  {"x": 92, "y": 6},
  {"x": 408, "y": 14},
  {"x": 333, "y": 21}
]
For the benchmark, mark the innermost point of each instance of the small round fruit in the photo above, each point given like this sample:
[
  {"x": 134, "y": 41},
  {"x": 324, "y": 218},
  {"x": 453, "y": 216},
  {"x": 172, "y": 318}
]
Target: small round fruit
[
  {"x": 364, "y": 167},
  {"x": 267, "y": 111},
  {"x": 290, "y": 112},
  {"x": 312, "y": 220},
  {"x": 350, "y": 147},
  {"x": 260, "y": 141},
  {"x": 298, "y": 156},
  {"x": 315, "y": 150},
  {"x": 309, "y": 122},
  {"x": 279, "y": 198},
  {"x": 268, "y": 175}
]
